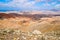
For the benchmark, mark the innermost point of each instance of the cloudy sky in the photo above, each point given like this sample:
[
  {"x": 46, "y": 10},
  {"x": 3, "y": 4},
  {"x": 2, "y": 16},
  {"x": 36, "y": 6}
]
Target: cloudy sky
[{"x": 18, "y": 5}]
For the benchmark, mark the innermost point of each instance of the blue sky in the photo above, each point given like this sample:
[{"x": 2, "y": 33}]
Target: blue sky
[{"x": 18, "y": 5}]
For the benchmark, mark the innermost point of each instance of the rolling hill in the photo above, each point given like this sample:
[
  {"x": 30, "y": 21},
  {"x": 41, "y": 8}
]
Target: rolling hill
[{"x": 29, "y": 23}]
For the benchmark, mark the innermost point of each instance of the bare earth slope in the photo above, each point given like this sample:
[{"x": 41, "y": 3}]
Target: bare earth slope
[{"x": 30, "y": 23}]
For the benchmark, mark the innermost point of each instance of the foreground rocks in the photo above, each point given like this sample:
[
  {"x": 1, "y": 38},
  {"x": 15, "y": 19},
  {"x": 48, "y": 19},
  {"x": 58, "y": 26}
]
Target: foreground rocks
[{"x": 10, "y": 34}]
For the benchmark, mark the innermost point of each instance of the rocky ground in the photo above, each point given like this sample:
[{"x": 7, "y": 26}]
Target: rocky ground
[{"x": 10, "y": 34}]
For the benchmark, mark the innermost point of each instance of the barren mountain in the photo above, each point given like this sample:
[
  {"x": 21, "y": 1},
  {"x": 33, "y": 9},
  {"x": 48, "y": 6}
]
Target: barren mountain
[{"x": 25, "y": 23}]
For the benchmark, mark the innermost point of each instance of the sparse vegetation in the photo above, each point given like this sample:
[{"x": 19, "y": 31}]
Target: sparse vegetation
[{"x": 9, "y": 34}]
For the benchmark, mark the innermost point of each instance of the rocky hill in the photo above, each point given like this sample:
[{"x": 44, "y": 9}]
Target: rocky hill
[{"x": 29, "y": 23}]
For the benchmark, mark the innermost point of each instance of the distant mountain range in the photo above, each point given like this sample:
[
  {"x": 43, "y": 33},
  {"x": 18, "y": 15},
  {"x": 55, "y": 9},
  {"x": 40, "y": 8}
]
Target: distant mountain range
[{"x": 34, "y": 15}]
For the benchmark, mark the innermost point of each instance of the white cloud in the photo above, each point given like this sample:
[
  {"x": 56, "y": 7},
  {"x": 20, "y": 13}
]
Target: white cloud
[
  {"x": 28, "y": 4},
  {"x": 38, "y": 0},
  {"x": 57, "y": 6},
  {"x": 53, "y": 3},
  {"x": 19, "y": 3}
]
